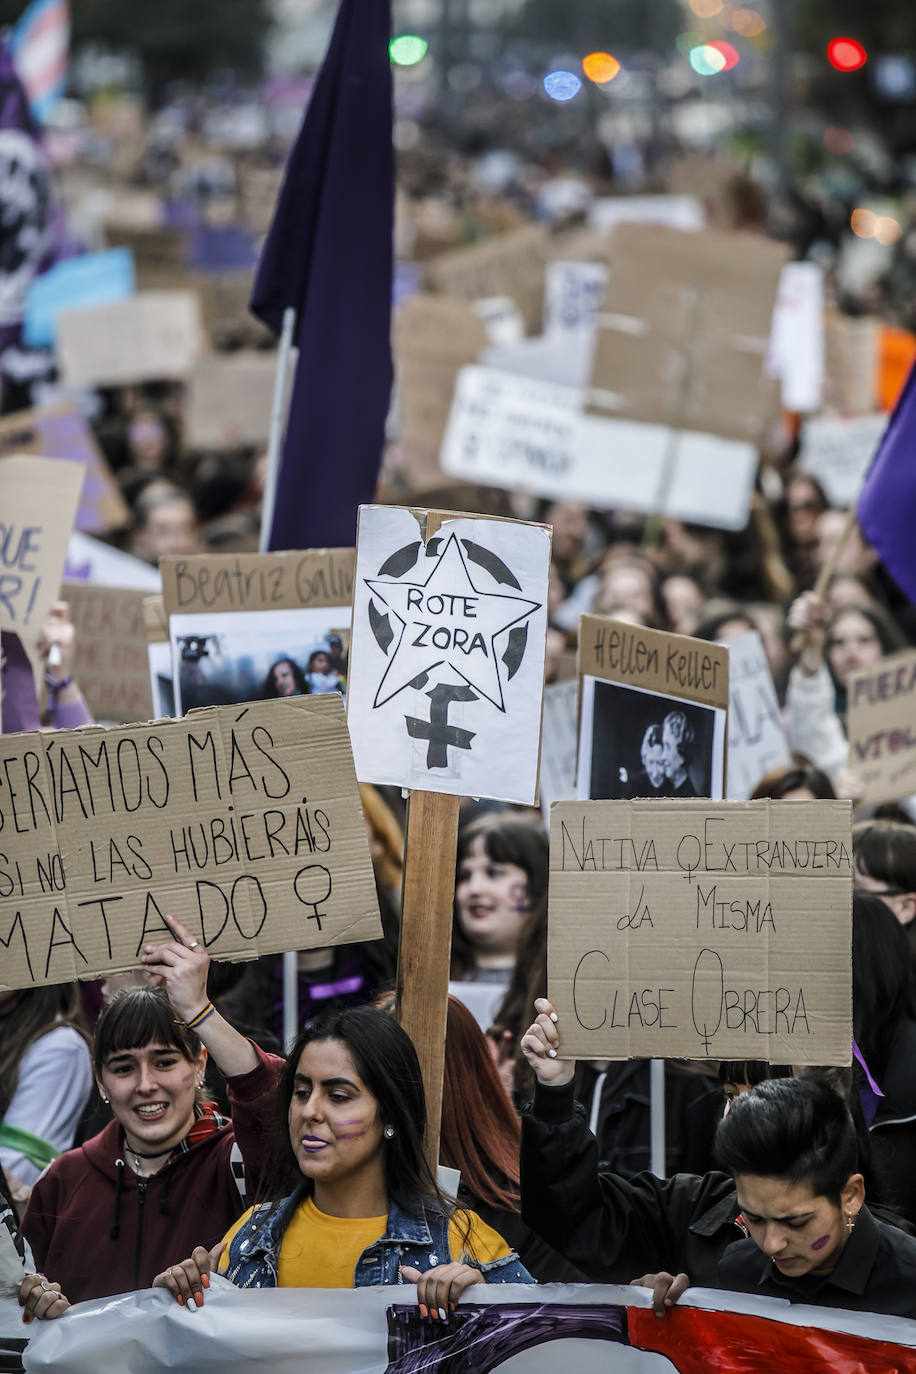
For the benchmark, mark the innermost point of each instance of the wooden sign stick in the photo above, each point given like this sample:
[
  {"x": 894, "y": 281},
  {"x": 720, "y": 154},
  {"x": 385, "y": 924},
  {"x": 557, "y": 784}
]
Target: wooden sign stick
[{"x": 426, "y": 942}]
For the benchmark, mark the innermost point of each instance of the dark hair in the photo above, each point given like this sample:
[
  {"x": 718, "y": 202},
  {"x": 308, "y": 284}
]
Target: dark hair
[
  {"x": 310, "y": 666},
  {"x": 795, "y": 1129},
  {"x": 508, "y": 838},
  {"x": 779, "y": 781},
  {"x": 750, "y": 1071},
  {"x": 886, "y": 850},
  {"x": 480, "y": 1130},
  {"x": 270, "y": 688},
  {"x": 386, "y": 1061},
  {"x": 888, "y": 635},
  {"x": 33, "y": 1013},
  {"x": 141, "y": 1016},
  {"x": 883, "y": 987},
  {"x": 711, "y": 625}
]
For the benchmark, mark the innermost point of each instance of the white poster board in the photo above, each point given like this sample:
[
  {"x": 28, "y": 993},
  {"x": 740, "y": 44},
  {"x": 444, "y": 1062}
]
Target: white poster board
[
  {"x": 447, "y": 653},
  {"x": 837, "y": 449},
  {"x": 527, "y": 435},
  {"x": 573, "y": 292},
  {"x": 559, "y": 743},
  {"x": 796, "y": 353},
  {"x": 756, "y": 737}
]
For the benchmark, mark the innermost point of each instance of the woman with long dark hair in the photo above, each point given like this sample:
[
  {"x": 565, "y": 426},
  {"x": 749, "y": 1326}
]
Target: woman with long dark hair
[
  {"x": 350, "y": 1200},
  {"x": 285, "y": 679}
]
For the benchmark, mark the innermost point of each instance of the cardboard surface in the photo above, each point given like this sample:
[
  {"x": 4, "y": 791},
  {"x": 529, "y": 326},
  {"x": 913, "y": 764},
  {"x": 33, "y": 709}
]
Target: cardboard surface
[
  {"x": 150, "y": 336},
  {"x": 702, "y": 931},
  {"x": 434, "y": 337},
  {"x": 229, "y": 399},
  {"x": 506, "y": 265},
  {"x": 652, "y": 713},
  {"x": 110, "y": 661},
  {"x": 257, "y": 581},
  {"x": 33, "y": 537},
  {"x": 244, "y": 822},
  {"x": 756, "y": 738},
  {"x": 60, "y": 431},
  {"x": 446, "y": 670},
  {"x": 530, "y": 434},
  {"x": 851, "y": 364},
  {"x": 882, "y": 728},
  {"x": 683, "y": 333}
]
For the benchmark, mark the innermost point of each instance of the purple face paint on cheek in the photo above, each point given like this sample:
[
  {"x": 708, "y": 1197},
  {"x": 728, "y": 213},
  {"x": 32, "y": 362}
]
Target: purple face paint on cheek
[
  {"x": 820, "y": 1243},
  {"x": 518, "y": 896}
]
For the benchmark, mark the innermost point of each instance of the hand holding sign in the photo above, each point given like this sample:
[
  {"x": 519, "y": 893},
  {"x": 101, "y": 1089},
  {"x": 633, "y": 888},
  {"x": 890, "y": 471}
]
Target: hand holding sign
[
  {"x": 541, "y": 1047},
  {"x": 180, "y": 968}
]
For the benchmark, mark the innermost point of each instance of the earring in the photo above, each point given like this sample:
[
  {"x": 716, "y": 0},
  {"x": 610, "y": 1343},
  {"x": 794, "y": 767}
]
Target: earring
[
  {"x": 850, "y": 1223},
  {"x": 106, "y": 1100},
  {"x": 389, "y": 1133}
]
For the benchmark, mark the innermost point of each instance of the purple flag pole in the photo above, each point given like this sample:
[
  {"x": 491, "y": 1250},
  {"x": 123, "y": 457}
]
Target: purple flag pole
[
  {"x": 328, "y": 257},
  {"x": 887, "y": 501}
]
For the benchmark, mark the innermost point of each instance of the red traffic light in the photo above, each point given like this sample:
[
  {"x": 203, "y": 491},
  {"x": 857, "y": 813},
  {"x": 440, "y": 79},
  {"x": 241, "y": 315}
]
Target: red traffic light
[{"x": 846, "y": 54}]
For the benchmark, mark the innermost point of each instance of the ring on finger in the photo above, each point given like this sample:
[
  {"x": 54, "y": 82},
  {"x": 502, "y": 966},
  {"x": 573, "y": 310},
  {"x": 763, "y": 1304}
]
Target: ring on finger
[
  {"x": 193, "y": 944},
  {"x": 48, "y": 1287}
]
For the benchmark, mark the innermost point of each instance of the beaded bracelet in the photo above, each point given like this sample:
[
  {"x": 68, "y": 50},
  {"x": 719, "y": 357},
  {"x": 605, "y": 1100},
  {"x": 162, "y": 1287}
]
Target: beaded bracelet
[
  {"x": 54, "y": 686},
  {"x": 201, "y": 1017}
]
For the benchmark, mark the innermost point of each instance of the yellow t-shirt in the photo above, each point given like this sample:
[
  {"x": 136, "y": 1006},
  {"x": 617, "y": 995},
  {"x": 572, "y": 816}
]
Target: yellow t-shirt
[{"x": 318, "y": 1251}]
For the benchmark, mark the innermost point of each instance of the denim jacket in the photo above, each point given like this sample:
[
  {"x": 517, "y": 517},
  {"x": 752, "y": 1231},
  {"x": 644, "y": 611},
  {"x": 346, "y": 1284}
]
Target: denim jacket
[{"x": 419, "y": 1240}]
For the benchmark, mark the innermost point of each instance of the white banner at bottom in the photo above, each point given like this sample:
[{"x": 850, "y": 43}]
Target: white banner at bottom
[{"x": 524, "y": 1330}]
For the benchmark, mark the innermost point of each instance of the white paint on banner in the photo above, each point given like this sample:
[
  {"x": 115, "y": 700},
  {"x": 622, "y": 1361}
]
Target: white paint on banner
[
  {"x": 528, "y": 435},
  {"x": 756, "y": 737},
  {"x": 446, "y": 668},
  {"x": 837, "y": 449},
  {"x": 573, "y": 293}
]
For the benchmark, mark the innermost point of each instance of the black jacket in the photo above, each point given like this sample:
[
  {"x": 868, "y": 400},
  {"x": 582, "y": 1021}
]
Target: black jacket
[
  {"x": 893, "y": 1130},
  {"x": 876, "y": 1272},
  {"x": 617, "y": 1229}
]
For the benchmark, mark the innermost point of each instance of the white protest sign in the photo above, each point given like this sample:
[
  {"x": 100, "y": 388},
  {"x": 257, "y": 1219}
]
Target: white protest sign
[
  {"x": 573, "y": 292},
  {"x": 527, "y": 435},
  {"x": 676, "y": 212},
  {"x": 837, "y": 449},
  {"x": 796, "y": 354},
  {"x": 756, "y": 737},
  {"x": 702, "y": 929},
  {"x": 559, "y": 743},
  {"x": 152, "y": 335},
  {"x": 446, "y": 668}
]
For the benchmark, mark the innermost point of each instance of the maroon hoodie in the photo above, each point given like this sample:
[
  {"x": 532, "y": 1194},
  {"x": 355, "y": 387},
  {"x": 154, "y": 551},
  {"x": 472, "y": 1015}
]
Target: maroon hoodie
[{"x": 96, "y": 1229}]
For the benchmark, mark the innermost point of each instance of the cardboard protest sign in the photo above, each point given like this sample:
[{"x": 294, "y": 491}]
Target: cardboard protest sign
[
  {"x": 150, "y": 336},
  {"x": 700, "y": 930},
  {"x": 286, "y": 632},
  {"x": 837, "y": 449},
  {"x": 531, "y": 435},
  {"x": 61, "y": 431},
  {"x": 653, "y": 712},
  {"x": 33, "y": 537},
  {"x": 573, "y": 294},
  {"x": 505, "y": 265},
  {"x": 434, "y": 337},
  {"x": 110, "y": 660},
  {"x": 756, "y": 737},
  {"x": 851, "y": 371},
  {"x": 243, "y": 822},
  {"x": 882, "y": 727},
  {"x": 229, "y": 399},
  {"x": 447, "y": 655},
  {"x": 159, "y": 248},
  {"x": 683, "y": 333}
]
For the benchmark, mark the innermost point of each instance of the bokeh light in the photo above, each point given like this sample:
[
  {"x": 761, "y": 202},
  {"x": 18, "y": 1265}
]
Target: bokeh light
[
  {"x": 887, "y": 230},
  {"x": 562, "y": 85},
  {"x": 748, "y": 23},
  {"x": 730, "y": 54},
  {"x": 863, "y": 223},
  {"x": 407, "y": 50},
  {"x": 838, "y": 140},
  {"x": 600, "y": 67},
  {"x": 706, "y": 9},
  {"x": 707, "y": 60},
  {"x": 685, "y": 41},
  {"x": 846, "y": 54}
]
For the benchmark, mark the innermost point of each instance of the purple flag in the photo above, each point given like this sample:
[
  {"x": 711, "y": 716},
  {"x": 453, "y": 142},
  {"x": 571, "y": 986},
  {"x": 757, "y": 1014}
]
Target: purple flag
[
  {"x": 328, "y": 255},
  {"x": 26, "y": 212},
  {"x": 887, "y": 502}
]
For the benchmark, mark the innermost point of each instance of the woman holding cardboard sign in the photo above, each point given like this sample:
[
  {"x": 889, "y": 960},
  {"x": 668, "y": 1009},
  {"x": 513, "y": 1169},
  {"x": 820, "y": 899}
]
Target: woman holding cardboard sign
[{"x": 167, "y": 1171}]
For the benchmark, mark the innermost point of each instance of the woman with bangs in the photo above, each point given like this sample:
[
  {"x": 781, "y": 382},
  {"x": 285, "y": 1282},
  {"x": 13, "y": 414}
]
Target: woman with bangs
[{"x": 167, "y": 1171}]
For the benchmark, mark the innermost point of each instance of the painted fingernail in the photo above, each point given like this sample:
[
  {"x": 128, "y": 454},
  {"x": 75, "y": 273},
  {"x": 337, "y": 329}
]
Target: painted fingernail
[
  {"x": 554, "y": 1017},
  {"x": 424, "y": 1311},
  {"x": 551, "y": 1054},
  {"x": 26, "y": 1317},
  {"x": 180, "y": 1299},
  {"x": 199, "y": 1299},
  {"x": 451, "y": 1307},
  {"x": 443, "y": 1315},
  {"x": 205, "y": 1280}
]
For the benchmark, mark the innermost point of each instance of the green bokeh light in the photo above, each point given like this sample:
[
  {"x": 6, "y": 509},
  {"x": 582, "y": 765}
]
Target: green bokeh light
[{"x": 407, "y": 50}]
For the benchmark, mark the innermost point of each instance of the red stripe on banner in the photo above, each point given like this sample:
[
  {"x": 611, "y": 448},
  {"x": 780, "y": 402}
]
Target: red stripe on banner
[
  {"x": 732, "y": 1343},
  {"x": 53, "y": 18}
]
